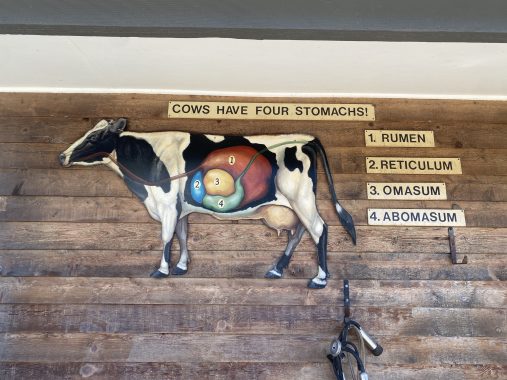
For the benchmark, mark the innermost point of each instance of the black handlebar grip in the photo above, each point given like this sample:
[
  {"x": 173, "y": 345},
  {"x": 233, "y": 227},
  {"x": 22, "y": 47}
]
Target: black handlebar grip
[
  {"x": 374, "y": 347},
  {"x": 378, "y": 350}
]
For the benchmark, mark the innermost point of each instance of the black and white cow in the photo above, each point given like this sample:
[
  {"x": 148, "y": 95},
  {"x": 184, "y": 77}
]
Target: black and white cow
[{"x": 167, "y": 172}]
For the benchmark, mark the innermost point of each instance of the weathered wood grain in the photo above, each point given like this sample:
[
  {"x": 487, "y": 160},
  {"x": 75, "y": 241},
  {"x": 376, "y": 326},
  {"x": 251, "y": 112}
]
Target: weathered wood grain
[
  {"x": 131, "y": 210},
  {"x": 216, "y": 264},
  {"x": 155, "y": 106},
  {"x": 249, "y": 237},
  {"x": 307, "y": 320},
  {"x": 404, "y": 293},
  {"x": 331, "y": 133},
  {"x": 79, "y": 347},
  {"x": 76, "y": 249},
  {"x": 341, "y": 160},
  {"x": 105, "y": 183},
  {"x": 242, "y": 370},
  {"x": 254, "y": 264}
]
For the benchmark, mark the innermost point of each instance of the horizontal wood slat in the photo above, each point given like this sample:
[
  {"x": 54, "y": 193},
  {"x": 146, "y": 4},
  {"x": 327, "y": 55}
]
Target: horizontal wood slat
[
  {"x": 342, "y": 160},
  {"x": 218, "y": 264},
  {"x": 240, "y": 370},
  {"x": 87, "y": 290},
  {"x": 26, "y": 235},
  {"x": 105, "y": 183},
  {"x": 462, "y": 135},
  {"x": 131, "y": 210},
  {"x": 320, "y": 319},
  {"x": 246, "y": 348},
  {"x": 155, "y": 106}
]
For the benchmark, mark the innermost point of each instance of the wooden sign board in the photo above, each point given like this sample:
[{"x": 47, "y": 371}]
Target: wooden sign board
[
  {"x": 270, "y": 111},
  {"x": 406, "y": 191},
  {"x": 416, "y": 217},
  {"x": 394, "y": 138},
  {"x": 413, "y": 165}
]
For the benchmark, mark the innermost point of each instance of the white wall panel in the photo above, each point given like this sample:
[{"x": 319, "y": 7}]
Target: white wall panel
[{"x": 253, "y": 67}]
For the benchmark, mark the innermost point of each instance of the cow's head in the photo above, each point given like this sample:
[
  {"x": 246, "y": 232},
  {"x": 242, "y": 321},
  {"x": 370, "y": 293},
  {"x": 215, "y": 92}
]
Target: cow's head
[{"x": 95, "y": 145}]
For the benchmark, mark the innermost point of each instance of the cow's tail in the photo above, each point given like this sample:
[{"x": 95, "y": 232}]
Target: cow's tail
[{"x": 345, "y": 218}]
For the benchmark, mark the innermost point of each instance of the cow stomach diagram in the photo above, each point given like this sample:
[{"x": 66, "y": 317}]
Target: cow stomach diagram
[{"x": 230, "y": 178}]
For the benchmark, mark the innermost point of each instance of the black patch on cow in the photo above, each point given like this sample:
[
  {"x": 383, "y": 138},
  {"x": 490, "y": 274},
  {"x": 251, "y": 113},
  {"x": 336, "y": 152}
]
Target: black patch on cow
[
  {"x": 290, "y": 160},
  {"x": 178, "y": 207},
  {"x": 167, "y": 251},
  {"x": 309, "y": 150},
  {"x": 139, "y": 158},
  {"x": 199, "y": 148},
  {"x": 101, "y": 141}
]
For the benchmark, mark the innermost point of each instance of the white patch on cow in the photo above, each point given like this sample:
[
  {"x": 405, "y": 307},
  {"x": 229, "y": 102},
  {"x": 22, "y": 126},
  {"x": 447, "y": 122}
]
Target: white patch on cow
[
  {"x": 318, "y": 281},
  {"x": 321, "y": 278},
  {"x": 100, "y": 125},
  {"x": 215, "y": 138},
  {"x": 298, "y": 188},
  {"x": 151, "y": 205},
  {"x": 322, "y": 274},
  {"x": 270, "y": 140},
  {"x": 111, "y": 165},
  {"x": 164, "y": 266},
  {"x": 275, "y": 272},
  {"x": 339, "y": 208}
]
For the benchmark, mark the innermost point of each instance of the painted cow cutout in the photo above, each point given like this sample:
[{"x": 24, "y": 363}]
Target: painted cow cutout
[{"x": 268, "y": 177}]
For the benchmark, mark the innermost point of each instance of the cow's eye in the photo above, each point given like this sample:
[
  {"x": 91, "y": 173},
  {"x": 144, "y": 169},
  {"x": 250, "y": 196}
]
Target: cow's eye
[{"x": 93, "y": 138}]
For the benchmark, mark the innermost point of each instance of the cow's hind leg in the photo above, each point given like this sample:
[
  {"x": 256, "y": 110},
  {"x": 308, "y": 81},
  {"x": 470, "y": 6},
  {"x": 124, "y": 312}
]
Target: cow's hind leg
[
  {"x": 320, "y": 281},
  {"x": 283, "y": 261},
  {"x": 181, "y": 232},
  {"x": 306, "y": 209}
]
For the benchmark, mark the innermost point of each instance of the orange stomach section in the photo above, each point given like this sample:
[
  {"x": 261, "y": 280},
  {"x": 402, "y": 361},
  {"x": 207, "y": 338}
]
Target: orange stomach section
[{"x": 234, "y": 160}]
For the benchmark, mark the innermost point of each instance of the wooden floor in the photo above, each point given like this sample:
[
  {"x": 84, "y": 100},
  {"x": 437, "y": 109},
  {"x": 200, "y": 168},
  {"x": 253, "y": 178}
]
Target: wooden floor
[{"x": 76, "y": 250}]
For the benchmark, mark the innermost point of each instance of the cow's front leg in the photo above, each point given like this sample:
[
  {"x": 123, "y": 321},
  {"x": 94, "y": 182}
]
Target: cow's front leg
[
  {"x": 168, "y": 226},
  {"x": 284, "y": 260},
  {"x": 181, "y": 233}
]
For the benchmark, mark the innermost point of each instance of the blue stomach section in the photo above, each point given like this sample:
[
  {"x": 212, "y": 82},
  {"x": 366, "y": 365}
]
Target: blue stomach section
[{"x": 197, "y": 189}]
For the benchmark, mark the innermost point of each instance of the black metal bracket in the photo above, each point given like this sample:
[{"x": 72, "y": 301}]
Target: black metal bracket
[
  {"x": 451, "y": 232},
  {"x": 346, "y": 298},
  {"x": 452, "y": 246}
]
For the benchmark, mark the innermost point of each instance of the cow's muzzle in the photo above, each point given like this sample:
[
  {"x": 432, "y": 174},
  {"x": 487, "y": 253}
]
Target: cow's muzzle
[{"x": 63, "y": 159}]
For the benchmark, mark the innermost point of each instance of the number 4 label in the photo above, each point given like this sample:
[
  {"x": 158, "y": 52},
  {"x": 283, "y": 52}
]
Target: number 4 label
[{"x": 372, "y": 216}]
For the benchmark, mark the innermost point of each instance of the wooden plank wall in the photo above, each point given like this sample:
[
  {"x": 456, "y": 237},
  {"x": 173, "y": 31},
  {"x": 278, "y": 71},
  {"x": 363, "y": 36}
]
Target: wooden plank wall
[{"x": 76, "y": 249}]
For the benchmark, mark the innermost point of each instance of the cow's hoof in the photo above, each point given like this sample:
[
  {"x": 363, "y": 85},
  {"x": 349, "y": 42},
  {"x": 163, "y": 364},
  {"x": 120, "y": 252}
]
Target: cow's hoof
[
  {"x": 314, "y": 285},
  {"x": 273, "y": 273},
  {"x": 158, "y": 274},
  {"x": 178, "y": 271}
]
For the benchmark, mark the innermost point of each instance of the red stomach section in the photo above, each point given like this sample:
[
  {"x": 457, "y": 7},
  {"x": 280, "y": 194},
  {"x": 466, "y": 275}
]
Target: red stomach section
[{"x": 234, "y": 160}]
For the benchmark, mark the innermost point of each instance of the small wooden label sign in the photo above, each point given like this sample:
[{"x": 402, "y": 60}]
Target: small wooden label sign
[
  {"x": 394, "y": 138},
  {"x": 406, "y": 191},
  {"x": 270, "y": 111},
  {"x": 413, "y": 165},
  {"x": 416, "y": 217}
]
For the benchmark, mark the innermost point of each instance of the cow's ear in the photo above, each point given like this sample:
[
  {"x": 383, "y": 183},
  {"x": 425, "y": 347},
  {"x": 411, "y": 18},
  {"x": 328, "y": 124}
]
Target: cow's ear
[{"x": 118, "y": 126}]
